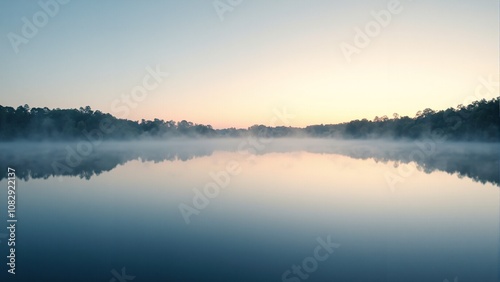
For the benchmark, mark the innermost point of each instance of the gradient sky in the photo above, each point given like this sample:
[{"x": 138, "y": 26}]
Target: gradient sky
[{"x": 263, "y": 55}]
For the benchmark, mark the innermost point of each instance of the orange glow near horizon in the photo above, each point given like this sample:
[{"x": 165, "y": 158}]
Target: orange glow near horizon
[{"x": 236, "y": 73}]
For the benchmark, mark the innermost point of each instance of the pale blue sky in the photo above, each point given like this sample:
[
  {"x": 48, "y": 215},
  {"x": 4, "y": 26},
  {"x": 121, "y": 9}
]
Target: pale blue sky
[{"x": 265, "y": 54}]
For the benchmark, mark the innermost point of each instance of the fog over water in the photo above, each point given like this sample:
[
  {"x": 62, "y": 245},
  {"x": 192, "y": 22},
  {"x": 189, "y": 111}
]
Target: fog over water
[
  {"x": 478, "y": 161},
  {"x": 394, "y": 211}
]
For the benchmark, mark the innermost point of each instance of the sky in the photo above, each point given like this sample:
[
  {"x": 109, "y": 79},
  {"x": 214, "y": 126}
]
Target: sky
[{"x": 235, "y": 63}]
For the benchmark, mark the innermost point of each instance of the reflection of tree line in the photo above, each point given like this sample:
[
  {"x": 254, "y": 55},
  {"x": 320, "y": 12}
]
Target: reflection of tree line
[
  {"x": 478, "y": 162},
  {"x": 53, "y": 162}
]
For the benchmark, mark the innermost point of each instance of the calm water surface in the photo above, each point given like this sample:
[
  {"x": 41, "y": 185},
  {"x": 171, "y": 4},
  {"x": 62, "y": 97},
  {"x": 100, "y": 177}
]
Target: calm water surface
[{"x": 394, "y": 211}]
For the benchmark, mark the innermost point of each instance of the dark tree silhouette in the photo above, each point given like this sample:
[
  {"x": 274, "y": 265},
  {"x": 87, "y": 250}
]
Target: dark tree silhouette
[{"x": 479, "y": 121}]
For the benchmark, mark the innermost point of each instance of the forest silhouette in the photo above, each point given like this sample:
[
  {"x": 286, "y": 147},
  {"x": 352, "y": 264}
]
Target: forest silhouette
[{"x": 478, "y": 121}]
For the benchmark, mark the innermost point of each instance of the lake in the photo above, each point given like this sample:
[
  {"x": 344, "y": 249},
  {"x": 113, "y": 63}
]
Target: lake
[{"x": 253, "y": 210}]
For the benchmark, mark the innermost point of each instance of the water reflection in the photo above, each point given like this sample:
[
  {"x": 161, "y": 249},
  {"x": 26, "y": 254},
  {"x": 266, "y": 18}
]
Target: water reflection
[{"x": 479, "y": 162}]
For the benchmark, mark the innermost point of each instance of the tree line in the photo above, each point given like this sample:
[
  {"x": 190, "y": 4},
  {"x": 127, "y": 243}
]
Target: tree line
[{"x": 478, "y": 121}]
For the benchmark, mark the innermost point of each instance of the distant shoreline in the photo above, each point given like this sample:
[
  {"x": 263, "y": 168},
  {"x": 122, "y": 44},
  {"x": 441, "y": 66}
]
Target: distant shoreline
[{"x": 478, "y": 121}]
